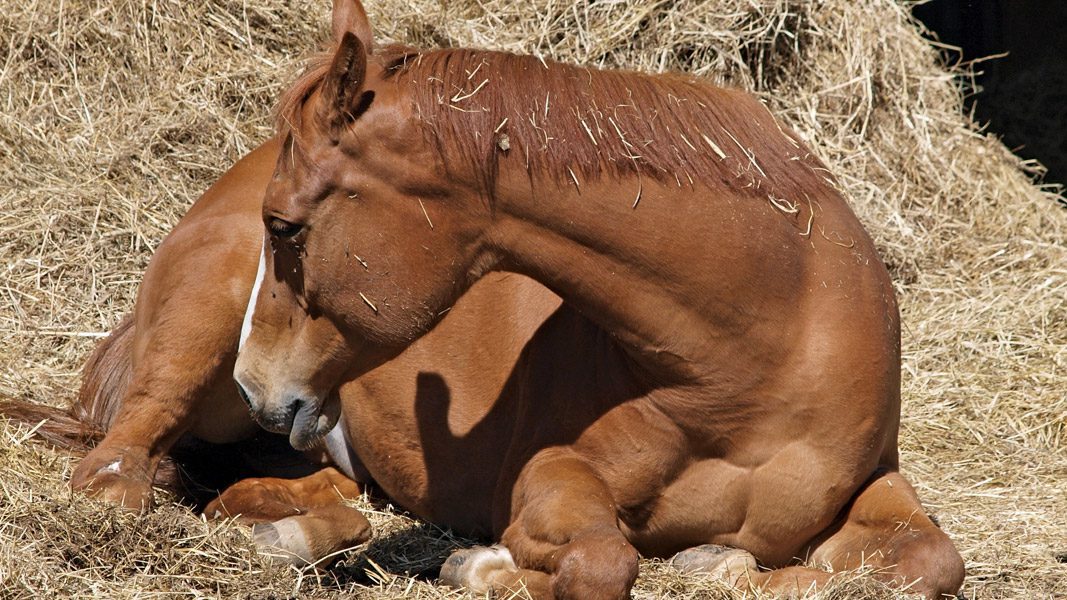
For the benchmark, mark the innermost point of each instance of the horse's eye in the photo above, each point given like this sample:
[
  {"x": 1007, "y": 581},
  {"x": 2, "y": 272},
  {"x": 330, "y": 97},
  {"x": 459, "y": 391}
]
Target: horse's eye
[{"x": 282, "y": 228}]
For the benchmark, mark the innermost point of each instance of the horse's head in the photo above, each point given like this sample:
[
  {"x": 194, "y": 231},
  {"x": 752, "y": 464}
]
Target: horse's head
[{"x": 360, "y": 255}]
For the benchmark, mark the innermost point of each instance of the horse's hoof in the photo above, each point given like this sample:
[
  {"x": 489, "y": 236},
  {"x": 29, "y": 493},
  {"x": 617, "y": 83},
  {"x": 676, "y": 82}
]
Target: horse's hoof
[
  {"x": 126, "y": 492},
  {"x": 720, "y": 562},
  {"x": 108, "y": 478},
  {"x": 283, "y": 542},
  {"x": 473, "y": 568}
]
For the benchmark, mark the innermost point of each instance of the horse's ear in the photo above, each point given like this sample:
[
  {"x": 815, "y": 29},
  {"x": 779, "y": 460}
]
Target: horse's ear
[
  {"x": 343, "y": 97},
  {"x": 349, "y": 17}
]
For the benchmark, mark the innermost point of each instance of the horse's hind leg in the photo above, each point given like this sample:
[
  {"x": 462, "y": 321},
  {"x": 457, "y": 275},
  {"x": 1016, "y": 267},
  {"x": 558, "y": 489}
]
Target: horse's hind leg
[
  {"x": 885, "y": 527},
  {"x": 564, "y": 540},
  {"x": 179, "y": 383},
  {"x": 300, "y": 521}
]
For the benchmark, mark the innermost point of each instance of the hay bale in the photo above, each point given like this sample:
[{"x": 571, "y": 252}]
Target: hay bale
[{"x": 116, "y": 115}]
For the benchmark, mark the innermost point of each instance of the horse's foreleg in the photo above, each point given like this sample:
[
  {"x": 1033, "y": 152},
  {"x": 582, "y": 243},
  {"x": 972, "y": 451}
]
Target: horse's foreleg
[
  {"x": 300, "y": 521},
  {"x": 563, "y": 538},
  {"x": 157, "y": 408}
]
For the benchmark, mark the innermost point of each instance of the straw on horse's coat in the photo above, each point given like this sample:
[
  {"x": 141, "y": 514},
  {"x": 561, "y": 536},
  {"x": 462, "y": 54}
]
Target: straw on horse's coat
[{"x": 585, "y": 123}]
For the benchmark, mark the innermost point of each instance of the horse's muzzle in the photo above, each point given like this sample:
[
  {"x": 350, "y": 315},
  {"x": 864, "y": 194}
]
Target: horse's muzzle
[{"x": 303, "y": 419}]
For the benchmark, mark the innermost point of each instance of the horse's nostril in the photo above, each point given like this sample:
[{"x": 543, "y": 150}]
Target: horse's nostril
[{"x": 244, "y": 395}]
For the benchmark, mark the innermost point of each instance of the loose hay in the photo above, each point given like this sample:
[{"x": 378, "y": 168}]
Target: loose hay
[{"x": 116, "y": 115}]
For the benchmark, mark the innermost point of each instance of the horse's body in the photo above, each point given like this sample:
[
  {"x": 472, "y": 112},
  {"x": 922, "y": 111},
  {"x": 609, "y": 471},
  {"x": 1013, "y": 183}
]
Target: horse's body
[
  {"x": 162, "y": 373},
  {"x": 725, "y": 368}
]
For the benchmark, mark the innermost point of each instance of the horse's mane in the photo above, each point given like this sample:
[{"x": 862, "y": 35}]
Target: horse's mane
[
  {"x": 576, "y": 124},
  {"x": 287, "y": 115}
]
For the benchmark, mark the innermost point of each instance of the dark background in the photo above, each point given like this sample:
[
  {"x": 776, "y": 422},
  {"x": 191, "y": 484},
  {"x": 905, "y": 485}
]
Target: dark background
[{"x": 1024, "y": 95}]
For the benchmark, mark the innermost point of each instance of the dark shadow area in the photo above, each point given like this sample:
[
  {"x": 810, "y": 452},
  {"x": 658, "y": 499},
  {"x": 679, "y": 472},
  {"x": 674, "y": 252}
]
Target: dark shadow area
[
  {"x": 1023, "y": 94},
  {"x": 417, "y": 551},
  {"x": 204, "y": 470},
  {"x": 568, "y": 376}
]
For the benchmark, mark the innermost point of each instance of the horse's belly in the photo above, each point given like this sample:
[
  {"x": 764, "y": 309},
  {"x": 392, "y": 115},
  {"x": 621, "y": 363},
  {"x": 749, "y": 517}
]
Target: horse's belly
[{"x": 444, "y": 481}]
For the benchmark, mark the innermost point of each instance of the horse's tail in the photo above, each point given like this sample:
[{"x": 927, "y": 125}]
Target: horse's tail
[
  {"x": 53, "y": 425},
  {"x": 105, "y": 378}
]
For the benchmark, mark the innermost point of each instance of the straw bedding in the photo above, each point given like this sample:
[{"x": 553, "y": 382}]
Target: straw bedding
[{"x": 115, "y": 115}]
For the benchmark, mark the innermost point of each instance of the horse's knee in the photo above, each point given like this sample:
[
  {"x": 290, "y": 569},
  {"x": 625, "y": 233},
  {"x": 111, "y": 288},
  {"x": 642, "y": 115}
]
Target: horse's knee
[
  {"x": 115, "y": 477},
  {"x": 598, "y": 566},
  {"x": 886, "y": 528}
]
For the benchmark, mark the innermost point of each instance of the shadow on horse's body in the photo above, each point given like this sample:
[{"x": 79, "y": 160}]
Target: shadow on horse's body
[{"x": 166, "y": 375}]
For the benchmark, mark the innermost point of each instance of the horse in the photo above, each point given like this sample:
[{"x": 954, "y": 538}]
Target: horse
[
  {"x": 159, "y": 389},
  {"x": 721, "y": 383}
]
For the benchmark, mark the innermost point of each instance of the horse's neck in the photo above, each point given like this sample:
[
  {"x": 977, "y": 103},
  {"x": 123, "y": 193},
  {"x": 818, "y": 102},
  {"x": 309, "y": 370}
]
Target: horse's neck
[{"x": 662, "y": 277}]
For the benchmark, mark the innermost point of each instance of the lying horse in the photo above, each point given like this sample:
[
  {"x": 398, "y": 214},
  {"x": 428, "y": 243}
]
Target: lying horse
[
  {"x": 722, "y": 381},
  {"x": 165, "y": 375}
]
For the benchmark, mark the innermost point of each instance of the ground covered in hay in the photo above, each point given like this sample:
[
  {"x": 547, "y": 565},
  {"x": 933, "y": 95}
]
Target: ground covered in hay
[{"x": 115, "y": 115}]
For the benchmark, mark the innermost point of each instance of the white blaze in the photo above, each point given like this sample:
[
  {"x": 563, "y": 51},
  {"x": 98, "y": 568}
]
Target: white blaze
[{"x": 246, "y": 325}]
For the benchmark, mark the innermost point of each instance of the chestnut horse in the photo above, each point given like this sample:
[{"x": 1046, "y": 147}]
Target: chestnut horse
[
  {"x": 165, "y": 374},
  {"x": 722, "y": 382}
]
